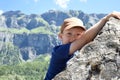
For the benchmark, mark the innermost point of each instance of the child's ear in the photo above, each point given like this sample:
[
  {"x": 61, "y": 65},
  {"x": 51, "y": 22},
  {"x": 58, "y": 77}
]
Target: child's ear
[{"x": 60, "y": 36}]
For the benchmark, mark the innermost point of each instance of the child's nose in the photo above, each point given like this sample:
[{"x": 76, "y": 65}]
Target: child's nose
[{"x": 73, "y": 38}]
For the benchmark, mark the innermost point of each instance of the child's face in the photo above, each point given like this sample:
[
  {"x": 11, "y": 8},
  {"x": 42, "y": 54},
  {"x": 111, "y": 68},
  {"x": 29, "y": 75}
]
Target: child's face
[{"x": 71, "y": 35}]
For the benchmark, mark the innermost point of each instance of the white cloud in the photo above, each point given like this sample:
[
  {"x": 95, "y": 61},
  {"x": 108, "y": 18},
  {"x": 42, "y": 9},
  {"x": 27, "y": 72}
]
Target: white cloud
[
  {"x": 1, "y": 12},
  {"x": 83, "y": 0},
  {"x": 62, "y": 3}
]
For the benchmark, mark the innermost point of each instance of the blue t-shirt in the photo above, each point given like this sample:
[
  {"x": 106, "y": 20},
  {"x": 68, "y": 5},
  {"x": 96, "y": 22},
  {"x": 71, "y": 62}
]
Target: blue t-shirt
[{"x": 60, "y": 56}]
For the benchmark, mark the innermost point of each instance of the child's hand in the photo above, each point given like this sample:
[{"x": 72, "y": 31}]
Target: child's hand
[{"x": 113, "y": 14}]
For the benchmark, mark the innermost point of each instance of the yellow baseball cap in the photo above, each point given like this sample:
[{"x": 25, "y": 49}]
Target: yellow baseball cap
[{"x": 70, "y": 23}]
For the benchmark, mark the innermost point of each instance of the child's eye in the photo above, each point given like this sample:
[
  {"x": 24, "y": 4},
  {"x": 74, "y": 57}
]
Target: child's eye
[
  {"x": 78, "y": 34},
  {"x": 69, "y": 33}
]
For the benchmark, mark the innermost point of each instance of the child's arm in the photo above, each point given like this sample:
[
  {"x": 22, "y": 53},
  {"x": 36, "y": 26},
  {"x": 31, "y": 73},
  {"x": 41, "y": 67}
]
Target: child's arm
[{"x": 91, "y": 33}]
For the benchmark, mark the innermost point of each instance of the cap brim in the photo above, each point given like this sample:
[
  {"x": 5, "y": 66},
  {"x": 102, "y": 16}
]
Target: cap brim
[{"x": 72, "y": 26}]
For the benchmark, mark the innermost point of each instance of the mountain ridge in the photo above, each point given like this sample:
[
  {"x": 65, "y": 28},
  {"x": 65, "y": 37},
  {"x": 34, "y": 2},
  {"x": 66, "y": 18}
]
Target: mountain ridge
[{"x": 36, "y": 34}]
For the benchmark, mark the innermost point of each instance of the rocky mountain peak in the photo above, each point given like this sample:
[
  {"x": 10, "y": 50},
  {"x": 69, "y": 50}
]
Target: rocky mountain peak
[
  {"x": 28, "y": 33},
  {"x": 13, "y": 13},
  {"x": 98, "y": 60}
]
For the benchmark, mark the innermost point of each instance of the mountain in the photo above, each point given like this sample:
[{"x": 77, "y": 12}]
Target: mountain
[
  {"x": 98, "y": 60},
  {"x": 28, "y": 36}
]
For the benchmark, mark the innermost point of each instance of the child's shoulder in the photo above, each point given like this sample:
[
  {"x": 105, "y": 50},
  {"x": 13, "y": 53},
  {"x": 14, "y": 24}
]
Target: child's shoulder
[{"x": 62, "y": 46}]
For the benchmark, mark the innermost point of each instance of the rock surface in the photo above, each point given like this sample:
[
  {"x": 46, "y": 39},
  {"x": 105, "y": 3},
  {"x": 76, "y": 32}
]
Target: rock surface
[{"x": 98, "y": 60}]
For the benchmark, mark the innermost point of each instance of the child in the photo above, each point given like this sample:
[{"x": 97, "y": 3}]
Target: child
[{"x": 73, "y": 36}]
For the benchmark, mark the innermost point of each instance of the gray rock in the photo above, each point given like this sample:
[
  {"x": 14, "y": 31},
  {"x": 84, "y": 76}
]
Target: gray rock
[
  {"x": 98, "y": 60},
  {"x": 34, "y": 44}
]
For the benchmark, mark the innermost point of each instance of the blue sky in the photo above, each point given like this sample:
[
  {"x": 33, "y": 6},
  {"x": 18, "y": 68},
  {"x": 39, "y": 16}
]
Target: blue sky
[{"x": 41, "y": 6}]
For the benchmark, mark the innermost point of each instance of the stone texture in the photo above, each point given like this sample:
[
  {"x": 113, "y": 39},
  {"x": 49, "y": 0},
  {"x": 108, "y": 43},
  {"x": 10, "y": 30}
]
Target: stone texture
[
  {"x": 31, "y": 45},
  {"x": 98, "y": 60}
]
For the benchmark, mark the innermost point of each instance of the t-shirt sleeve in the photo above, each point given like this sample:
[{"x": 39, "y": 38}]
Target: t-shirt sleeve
[{"x": 62, "y": 52}]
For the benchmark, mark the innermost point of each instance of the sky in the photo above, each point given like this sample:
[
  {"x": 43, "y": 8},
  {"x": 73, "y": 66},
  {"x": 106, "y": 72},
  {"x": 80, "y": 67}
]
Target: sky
[{"x": 41, "y": 6}]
